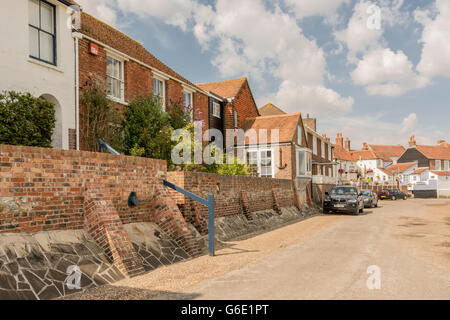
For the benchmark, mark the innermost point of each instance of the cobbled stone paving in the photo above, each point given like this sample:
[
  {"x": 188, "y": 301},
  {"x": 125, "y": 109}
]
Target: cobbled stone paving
[{"x": 32, "y": 272}]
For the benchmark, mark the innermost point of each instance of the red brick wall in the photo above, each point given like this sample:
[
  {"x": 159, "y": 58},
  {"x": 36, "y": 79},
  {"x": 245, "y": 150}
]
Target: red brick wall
[
  {"x": 227, "y": 191},
  {"x": 245, "y": 105},
  {"x": 201, "y": 109}
]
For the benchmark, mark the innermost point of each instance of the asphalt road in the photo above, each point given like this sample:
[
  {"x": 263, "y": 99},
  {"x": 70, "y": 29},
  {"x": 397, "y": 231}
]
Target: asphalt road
[{"x": 408, "y": 242}]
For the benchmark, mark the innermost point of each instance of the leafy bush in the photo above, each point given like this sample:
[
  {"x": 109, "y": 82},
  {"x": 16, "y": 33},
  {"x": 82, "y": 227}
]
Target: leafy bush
[
  {"x": 26, "y": 120},
  {"x": 100, "y": 120},
  {"x": 148, "y": 129}
]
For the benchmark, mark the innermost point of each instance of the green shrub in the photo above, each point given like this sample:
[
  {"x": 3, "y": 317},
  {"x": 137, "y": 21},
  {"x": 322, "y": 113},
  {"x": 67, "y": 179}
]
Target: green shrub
[
  {"x": 26, "y": 120},
  {"x": 148, "y": 129},
  {"x": 100, "y": 120}
]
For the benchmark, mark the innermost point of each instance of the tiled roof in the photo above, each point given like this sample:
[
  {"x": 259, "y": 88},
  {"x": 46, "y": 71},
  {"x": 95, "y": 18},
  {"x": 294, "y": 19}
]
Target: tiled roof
[
  {"x": 399, "y": 168},
  {"x": 420, "y": 170},
  {"x": 342, "y": 154},
  {"x": 442, "y": 173},
  {"x": 363, "y": 155},
  {"x": 104, "y": 33},
  {"x": 387, "y": 152},
  {"x": 270, "y": 110},
  {"x": 287, "y": 124},
  {"x": 440, "y": 152},
  {"x": 226, "y": 89}
]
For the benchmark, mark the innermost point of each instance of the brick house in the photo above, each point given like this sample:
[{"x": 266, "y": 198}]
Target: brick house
[
  {"x": 130, "y": 71},
  {"x": 346, "y": 167},
  {"x": 282, "y": 156},
  {"x": 436, "y": 158},
  {"x": 239, "y": 104}
]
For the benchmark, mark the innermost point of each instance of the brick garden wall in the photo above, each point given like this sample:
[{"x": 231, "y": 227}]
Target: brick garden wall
[{"x": 232, "y": 194}]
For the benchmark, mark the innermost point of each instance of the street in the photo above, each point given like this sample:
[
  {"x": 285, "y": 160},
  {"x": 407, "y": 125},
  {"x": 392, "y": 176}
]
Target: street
[{"x": 325, "y": 257}]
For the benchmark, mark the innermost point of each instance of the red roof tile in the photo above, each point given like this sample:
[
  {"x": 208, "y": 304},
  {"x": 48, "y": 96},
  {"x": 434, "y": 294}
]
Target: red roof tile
[
  {"x": 420, "y": 170},
  {"x": 225, "y": 89},
  {"x": 442, "y": 173},
  {"x": 440, "y": 152},
  {"x": 287, "y": 124},
  {"x": 270, "y": 110},
  {"x": 386, "y": 152},
  {"x": 342, "y": 154},
  {"x": 363, "y": 155},
  {"x": 399, "y": 168}
]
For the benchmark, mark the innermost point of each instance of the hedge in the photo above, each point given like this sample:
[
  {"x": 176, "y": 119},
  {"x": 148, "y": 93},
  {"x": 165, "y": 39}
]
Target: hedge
[{"x": 26, "y": 120}]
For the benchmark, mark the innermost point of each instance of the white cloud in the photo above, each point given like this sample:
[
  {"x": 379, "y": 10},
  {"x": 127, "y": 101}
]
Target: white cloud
[
  {"x": 409, "y": 124},
  {"x": 435, "y": 59},
  {"x": 388, "y": 73},
  {"x": 324, "y": 8},
  {"x": 100, "y": 9}
]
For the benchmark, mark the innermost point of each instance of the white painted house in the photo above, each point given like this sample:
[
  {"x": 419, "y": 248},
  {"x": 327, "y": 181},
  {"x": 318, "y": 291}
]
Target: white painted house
[{"x": 37, "y": 55}]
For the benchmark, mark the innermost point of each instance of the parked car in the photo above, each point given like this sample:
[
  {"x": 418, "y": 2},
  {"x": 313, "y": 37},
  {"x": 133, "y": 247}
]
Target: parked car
[
  {"x": 370, "y": 199},
  {"x": 393, "y": 194},
  {"x": 344, "y": 199}
]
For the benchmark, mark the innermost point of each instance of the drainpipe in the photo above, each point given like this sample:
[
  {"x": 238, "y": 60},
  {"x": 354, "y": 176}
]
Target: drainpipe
[{"x": 77, "y": 36}]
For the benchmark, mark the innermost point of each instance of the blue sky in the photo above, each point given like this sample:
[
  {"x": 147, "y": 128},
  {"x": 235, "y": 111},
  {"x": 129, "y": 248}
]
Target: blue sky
[{"x": 324, "y": 57}]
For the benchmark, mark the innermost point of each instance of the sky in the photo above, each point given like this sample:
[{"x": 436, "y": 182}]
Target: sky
[{"x": 377, "y": 71}]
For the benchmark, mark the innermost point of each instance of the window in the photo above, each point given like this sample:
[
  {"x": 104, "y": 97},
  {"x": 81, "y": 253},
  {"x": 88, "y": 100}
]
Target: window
[
  {"x": 216, "y": 110},
  {"x": 188, "y": 103},
  {"x": 447, "y": 165},
  {"x": 322, "y": 149},
  {"x": 330, "y": 150},
  {"x": 262, "y": 159},
  {"x": 235, "y": 118},
  {"x": 308, "y": 162},
  {"x": 438, "y": 165},
  {"x": 159, "y": 91},
  {"x": 42, "y": 31},
  {"x": 301, "y": 163},
  {"x": 114, "y": 78},
  {"x": 315, "y": 145},
  {"x": 299, "y": 135}
]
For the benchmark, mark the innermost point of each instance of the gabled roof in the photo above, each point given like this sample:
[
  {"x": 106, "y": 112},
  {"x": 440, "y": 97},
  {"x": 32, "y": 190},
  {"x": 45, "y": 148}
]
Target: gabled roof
[
  {"x": 227, "y": 89},
  {"x": 439, "y": 152},
  {"x": 270, "y": 110},
  {"x": 102, "y": 32},
  {"x": 420, "y": 171},
  {"x": 399, "y": 168},
  {"x": 286, "y": 124},
  {"x": 442, "y": 173},
  {"x": 387, "y": 152}
]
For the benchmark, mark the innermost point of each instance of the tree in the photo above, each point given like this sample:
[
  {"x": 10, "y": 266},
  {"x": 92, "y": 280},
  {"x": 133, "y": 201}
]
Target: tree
[{"x": 26, "y": 120}]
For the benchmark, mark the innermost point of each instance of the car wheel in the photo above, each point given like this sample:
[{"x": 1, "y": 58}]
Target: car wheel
[
  {"x": 394, "y": 198},
  {"x": 361, "y": 210},
  {"x": 376, "y": 205},
  {"x": 404, "y": 198}
]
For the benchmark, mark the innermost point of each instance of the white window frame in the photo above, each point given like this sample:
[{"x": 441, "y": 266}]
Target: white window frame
[
  {"x": 438, "y": 167},
  {"x": 314, "y": 145},
  {"x": 122, "y": 80},
  {"x": 186, "y": 104},
  {"x": 446, "y": 165},
  {"x": 162, "y": 96},
  {"x": 322, "y": 149},
  {"x": 307, "y": 162},
  {"x": 258, "y": 159},
  {"x": 216, "y": 110},
  {"x": 235, "y": 118},
  {"x": 330, "y": 151}
]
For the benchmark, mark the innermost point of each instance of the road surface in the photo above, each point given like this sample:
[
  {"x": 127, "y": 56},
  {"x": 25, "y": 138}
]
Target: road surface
[{"x": 406, "y": 244}]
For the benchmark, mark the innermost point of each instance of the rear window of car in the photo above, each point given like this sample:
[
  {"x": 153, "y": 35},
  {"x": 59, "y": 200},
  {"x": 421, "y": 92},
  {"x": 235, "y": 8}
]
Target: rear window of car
[
  {"x": 366, "y": 193},
  {"x": 344, "y": 191}
]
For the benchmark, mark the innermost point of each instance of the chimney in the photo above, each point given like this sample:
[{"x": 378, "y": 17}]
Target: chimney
[
  {"x": 442, "y": 142},
  {"x": 365, "y": 146},
  {"x": 412, "y": 142},
  {"x": 340, "y": 140},
  {"x": 347, "y": 144},
  {"x": 310, "y": 122}
]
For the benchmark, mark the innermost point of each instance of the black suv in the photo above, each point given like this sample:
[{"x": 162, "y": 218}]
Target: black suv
[{"x": 344, "y": 199}]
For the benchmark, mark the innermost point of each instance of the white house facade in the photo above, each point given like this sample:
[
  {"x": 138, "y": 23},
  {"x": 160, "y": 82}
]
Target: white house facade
[{"x": 38, "y": 55}]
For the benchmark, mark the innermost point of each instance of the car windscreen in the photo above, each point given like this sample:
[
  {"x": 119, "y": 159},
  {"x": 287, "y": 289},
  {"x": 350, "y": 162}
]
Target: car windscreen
[
  {"x": 345, "y": 191},
  {"x": 366, "y": 193}
]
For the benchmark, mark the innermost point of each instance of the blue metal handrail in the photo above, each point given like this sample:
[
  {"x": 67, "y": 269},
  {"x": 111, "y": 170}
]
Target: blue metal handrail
[
  {"x": 102, "y": 144},
  {"x": 209, "y": 203}
]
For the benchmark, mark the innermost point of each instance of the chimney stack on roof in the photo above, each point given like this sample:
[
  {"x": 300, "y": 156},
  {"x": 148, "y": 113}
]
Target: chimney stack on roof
[
  {"x": 442, "y": 142},
  {"x": 412, "y": 142},
  {"x": 340, "y": 140},
  {"x": 347, "y": 144},
  {"x": 365, "y": 146}
]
